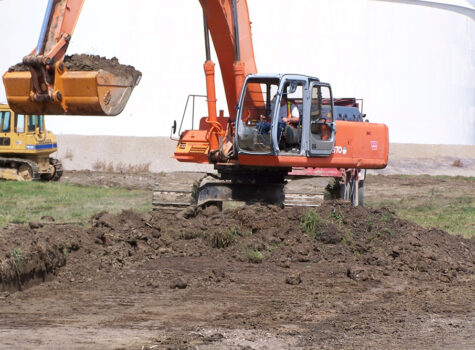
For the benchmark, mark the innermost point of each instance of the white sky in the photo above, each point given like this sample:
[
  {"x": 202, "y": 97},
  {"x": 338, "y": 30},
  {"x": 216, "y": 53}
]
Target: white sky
[{"x": 412, "y": 65}]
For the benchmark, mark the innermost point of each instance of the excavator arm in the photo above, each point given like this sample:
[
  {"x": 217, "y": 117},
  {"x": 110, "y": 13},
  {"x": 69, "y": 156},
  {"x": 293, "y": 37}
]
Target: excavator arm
[
  {"x": 58, "y": 27},
  {"x": 230, "y": 28}
]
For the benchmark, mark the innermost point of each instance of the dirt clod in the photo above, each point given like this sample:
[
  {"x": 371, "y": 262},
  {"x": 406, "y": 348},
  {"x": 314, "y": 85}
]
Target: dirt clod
[
  {"x": 35, "y": 225},
  {"x": 358, "y": 273},
  {"x": 293, "y": 279},
  {"x": 178, "y": 283}
]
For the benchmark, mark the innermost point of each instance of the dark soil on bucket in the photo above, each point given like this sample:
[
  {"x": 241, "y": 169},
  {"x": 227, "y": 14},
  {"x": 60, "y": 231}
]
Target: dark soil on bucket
[{"x": 83, "y": 62}]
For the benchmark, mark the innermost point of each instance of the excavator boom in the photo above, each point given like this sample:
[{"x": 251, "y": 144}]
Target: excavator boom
[{"x": 231, "y": 34}]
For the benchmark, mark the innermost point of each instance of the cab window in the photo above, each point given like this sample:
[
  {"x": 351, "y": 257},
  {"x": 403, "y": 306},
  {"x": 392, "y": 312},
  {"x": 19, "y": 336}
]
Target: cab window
[
  {"x": 321, "y": 112},
  {"x": 5, "y": 121},
  {"x": 296, "y": 97},
  {"x": 19, "y": 123},
  {"x": 41, "y": 122},
  {"x": 35, "y": 121},
  {"x": 31, "y": 122},
  {"x": 255, "y": 124}
]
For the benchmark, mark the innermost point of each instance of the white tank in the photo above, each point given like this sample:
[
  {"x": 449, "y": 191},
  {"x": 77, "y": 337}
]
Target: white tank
[{"x": 412, "y": 65}]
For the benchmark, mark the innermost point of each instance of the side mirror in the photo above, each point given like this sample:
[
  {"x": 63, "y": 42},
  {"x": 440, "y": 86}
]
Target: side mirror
[
  {"x": 292, "y": 87},
  {"x": 174, "y": 127}
]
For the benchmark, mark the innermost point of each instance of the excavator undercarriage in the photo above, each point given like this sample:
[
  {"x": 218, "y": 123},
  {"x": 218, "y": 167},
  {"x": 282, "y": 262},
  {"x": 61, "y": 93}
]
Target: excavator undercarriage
[
  {"x": 228, "y": 189},
  {"x": 34, "y": 169}
]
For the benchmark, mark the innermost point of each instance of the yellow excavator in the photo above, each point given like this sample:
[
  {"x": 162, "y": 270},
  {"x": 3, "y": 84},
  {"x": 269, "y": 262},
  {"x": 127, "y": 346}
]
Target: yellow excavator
[{"x": 25, "y": 148}]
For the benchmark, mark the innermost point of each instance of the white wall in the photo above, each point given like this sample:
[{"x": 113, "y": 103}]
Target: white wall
[{"x": 414, "y": 66}]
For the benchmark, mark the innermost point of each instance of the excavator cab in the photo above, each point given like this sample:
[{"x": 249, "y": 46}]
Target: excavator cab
[{"x": 266, "y": 100}]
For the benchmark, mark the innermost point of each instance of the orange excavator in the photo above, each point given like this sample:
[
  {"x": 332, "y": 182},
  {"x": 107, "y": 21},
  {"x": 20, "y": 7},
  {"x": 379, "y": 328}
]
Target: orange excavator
[{"x": 279, "y": 124}]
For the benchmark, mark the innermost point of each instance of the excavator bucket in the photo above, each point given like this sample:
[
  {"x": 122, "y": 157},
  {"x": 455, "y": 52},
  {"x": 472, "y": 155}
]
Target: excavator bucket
[{"x": 99, "y": 92}]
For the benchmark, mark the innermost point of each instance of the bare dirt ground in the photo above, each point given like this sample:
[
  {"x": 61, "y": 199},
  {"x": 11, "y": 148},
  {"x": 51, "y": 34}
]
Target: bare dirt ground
[
  {"x": 250, "y": 278},
  {"x": 141, "y": 181}
]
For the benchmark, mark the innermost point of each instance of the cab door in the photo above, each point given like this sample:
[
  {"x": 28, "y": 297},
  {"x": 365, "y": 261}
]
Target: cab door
[
  {"x": 254, "y": 121},
  {"x": 19, "y": 135},
  {"x": 5, "y": 128},
  {"x": 321, "y": 126}
]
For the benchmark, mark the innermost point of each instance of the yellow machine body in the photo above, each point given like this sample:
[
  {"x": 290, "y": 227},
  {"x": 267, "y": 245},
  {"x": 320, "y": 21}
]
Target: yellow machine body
[{"x": 25, "y": 147}]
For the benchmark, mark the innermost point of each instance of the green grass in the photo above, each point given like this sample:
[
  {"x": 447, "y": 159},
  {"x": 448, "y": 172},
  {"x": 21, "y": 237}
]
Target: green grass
[
  {"x": 448, "y": 205},
  {"x": 310, "y": 223},
  {"x": 254, "y": 255},
  {"x": 24, "y": 202},
  {"x": 17, "y": 256},
  {"x": 224, "y": 238},
  {"x": 457, "y": 216},
  {"x": 337, "y": 217}
]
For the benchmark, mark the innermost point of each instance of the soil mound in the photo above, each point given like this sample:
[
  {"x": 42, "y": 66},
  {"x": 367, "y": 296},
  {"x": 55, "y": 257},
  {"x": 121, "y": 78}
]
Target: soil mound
[
  {"x": 83, "y": 62},
  {"x": 29, "y": 254},
  {"x": 337, "y": 276},
  {"x": 371, "y": 243}
]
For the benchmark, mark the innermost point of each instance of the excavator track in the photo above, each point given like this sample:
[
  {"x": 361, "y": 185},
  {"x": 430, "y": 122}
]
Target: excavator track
[
  {"x": 172, "y": 195},
  {"x": 58, "y": 169},
  {"x": 175, "y": 194},
  {"x": 228, "y": 194},
  {"x": 19, "y": 169},
  {"x": 305, "y": 191},
  {"x": 303, "y": 199}
]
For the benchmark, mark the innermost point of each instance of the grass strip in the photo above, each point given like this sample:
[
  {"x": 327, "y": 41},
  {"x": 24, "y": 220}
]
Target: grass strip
[{"x": 23, "y": 202}]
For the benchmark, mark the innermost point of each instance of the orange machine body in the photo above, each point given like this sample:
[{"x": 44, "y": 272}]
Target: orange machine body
[
  {"x": 357, "y": 145},
  {"x": 321, "y": 138}
]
